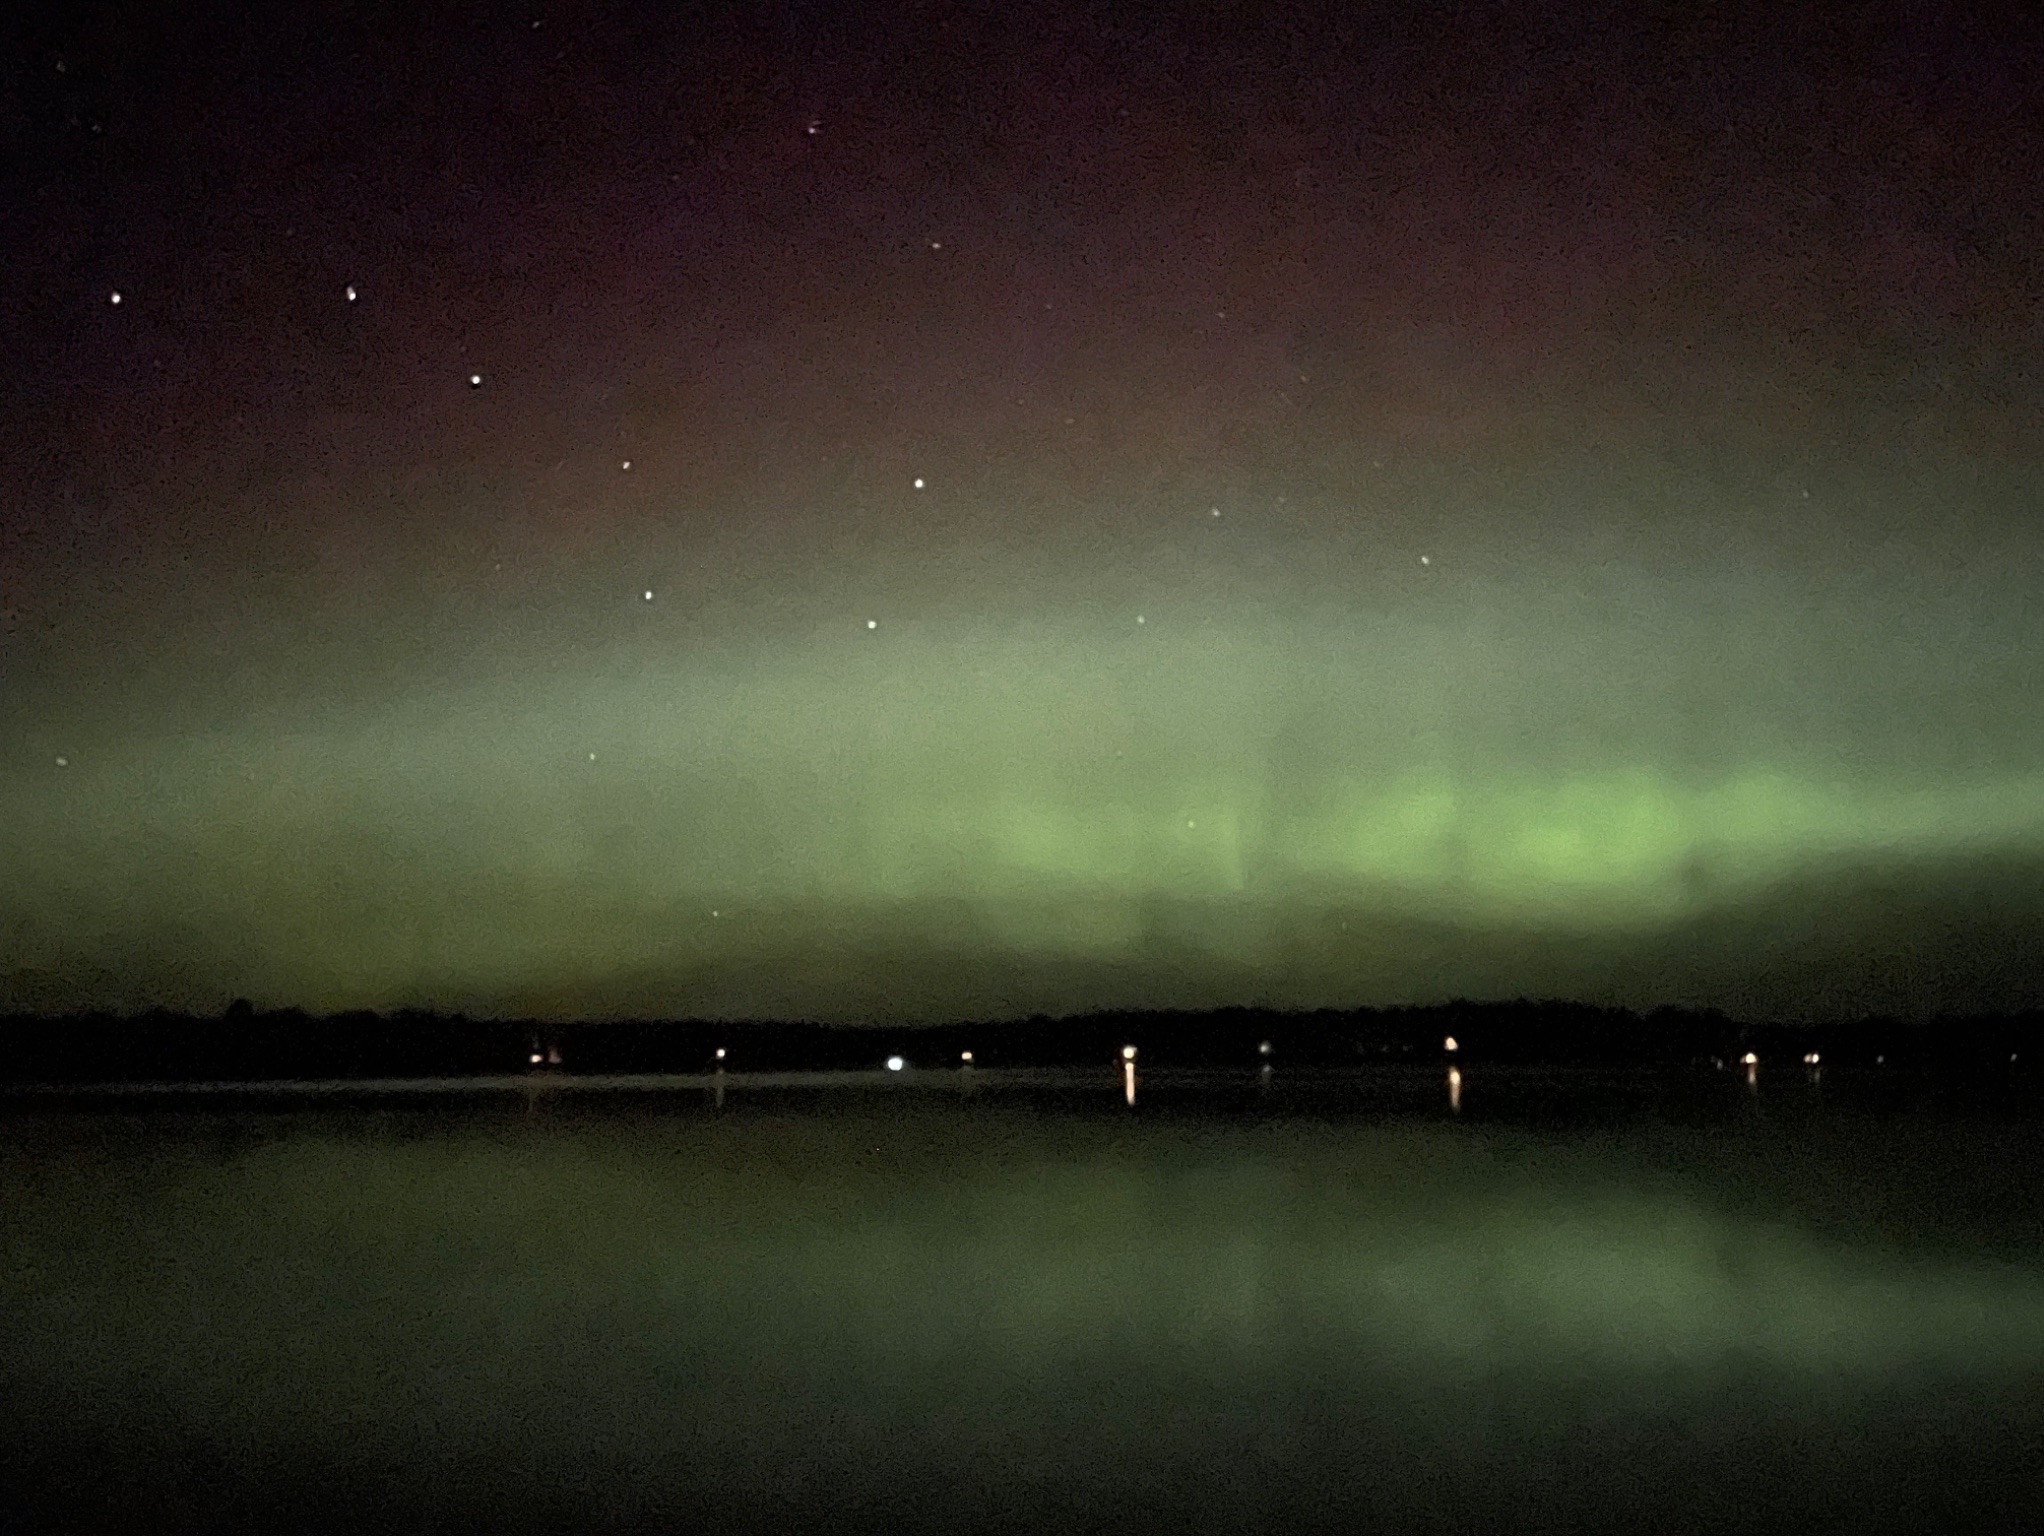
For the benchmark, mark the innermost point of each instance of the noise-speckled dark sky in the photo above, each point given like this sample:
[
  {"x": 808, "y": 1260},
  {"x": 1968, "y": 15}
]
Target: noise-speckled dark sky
[{"x": 896, "y": 511}]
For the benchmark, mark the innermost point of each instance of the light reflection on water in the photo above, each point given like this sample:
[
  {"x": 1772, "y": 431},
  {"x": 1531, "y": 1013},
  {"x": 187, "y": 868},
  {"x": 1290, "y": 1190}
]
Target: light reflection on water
[{"x": 916, "y": 1311}]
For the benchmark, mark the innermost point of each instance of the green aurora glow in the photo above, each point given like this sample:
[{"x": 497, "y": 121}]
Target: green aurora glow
[
  {"x": 1227, "y": 508},
  {"x": 1478, "y": 776}
]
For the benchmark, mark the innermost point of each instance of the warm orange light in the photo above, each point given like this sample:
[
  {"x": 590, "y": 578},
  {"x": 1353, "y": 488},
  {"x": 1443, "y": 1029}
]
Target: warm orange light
[{"x": 1450, "y": 1044}]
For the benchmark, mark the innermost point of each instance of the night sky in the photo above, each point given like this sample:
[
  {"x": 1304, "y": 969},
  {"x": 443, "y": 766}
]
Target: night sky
[{"x": 893, "y": 511}]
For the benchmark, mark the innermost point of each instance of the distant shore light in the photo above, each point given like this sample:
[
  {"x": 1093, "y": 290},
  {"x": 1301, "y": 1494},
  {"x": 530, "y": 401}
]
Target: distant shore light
[
  {"x": 1450, "y": 1044},
  {"x": 895, "y": 1063}
]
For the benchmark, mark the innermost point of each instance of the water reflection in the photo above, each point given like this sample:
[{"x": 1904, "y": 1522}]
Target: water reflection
[
  {"x": 1455, "y": 1090},
  {"x": 1391, "y": 1326},
  {"x": 1128, "y": 1074}
]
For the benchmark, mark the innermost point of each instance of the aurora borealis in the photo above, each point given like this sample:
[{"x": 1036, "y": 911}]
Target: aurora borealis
[{"x": 967, "y": 512}]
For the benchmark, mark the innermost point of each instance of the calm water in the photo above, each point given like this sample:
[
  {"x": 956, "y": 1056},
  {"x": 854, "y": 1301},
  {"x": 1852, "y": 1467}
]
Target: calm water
[{"x": 1581, "y": 1303}]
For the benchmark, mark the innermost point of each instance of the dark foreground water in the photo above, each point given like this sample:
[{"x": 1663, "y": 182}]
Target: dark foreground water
[{"x": 1582, "y": 1304}]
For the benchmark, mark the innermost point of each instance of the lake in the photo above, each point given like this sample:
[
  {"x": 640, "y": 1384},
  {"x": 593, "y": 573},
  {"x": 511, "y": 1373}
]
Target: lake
[{"x": 887, "y": 1302}]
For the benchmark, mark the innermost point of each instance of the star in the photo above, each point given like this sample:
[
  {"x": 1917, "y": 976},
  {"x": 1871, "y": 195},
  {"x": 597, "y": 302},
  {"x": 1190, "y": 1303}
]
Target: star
[
  {"x": 475, "y": 381},
  {"x": 872, "y": 623},
  {"x": 114, "y": 297},
  {"x": 649, "y": 594},
  {"x": 919, "y": 482},
  {"x": 351, "y": 293}
]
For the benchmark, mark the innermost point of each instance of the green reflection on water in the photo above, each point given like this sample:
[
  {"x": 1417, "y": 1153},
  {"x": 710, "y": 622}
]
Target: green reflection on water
[{"x": 937, "y": 1316}]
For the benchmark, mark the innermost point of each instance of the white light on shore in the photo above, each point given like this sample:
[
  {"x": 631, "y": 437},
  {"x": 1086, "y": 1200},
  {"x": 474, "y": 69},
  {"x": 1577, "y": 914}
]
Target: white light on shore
[{"x": 895, "y": 1063}]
